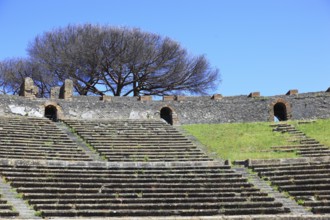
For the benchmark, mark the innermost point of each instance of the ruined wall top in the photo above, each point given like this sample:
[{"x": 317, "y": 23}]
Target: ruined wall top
[{"x": 185, "y": 109}]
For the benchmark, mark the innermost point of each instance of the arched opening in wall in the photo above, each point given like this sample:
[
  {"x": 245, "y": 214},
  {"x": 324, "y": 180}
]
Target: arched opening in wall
[
  {"x": 280, "y": 112},
  {"x": 51, "y": 112},
  {"x": 166, "y": 114}
]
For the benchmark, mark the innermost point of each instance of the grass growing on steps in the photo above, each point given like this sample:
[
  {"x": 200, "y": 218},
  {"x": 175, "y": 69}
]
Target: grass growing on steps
[
  {"x": 319, "y": 130},
  {"x": 240, "y": 141}
]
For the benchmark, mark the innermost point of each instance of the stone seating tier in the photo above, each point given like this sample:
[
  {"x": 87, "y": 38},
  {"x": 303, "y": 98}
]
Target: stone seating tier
[
  {"x": 137, "y": 140},
  {"x": 36, "y": 138},
  {"x": 83, "y": 189},
  {"x": 303, "y": 145},
  {"x": 7, "y": 210},
  {"x": 308, "y": 183}
]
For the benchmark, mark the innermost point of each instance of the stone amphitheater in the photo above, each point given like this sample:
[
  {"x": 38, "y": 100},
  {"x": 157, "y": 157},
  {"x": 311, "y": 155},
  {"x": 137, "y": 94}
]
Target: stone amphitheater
[{"x": 122, "y": 158}]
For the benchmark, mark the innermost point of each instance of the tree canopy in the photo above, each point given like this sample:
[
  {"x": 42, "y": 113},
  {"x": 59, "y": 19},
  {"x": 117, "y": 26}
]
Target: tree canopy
[{"x": 109, "y": 60}]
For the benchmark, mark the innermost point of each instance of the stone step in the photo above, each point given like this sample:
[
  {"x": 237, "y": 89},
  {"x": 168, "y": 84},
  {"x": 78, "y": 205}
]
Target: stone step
[
  {"x": 8, "y": 213},
  {"x": 301, "y": 182},
  {"x": 146, "y": 169},
  {"x": 293, "y": 168},
  {"x": 115, "y": 150},
  {"x": 168, "y": 212},
  {"x": 297, "y": 146},
  {"x": 131, "y": 185},
  {"x": 299, "y": 176},
  {"x": 31, "y": 135},
  {"x": 310, "y": 192},
  {"x": 321, "y": 210},
  {"x": 314, "y": 151},
  {"x": 165, "y": 159},
  {"x": 38, "y": 148},
  {"x": 279, "y": 125},
  {"x": 43, "y": 157},
  {"x": 120, "y": 200},
  {"x": 135, "y": 174},
  {"x": 136, "y": 138},
  {"x": 309, "y": 142},
  {"x": 154, "y": 153},
  {"x": 160, "y": 205},
  {"x": 145, "y": 144},
  {"x": 41, "y": 146},
  {"x": 293, "y": 172},
  {"x": 45, "y": 154},
  {"x": 35, "y": 141},
  {"x": 301, "y": 149},
  {"x": 46, "y": 181},
  {"x": 137, "y": 190},
  {"x": 317, "y": 203},
  {"x": 160, "y": 195},
  {"x": 316, "y": 155}
]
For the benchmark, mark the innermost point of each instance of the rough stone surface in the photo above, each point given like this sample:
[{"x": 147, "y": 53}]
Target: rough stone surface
[
  {"x": 279, "y": 197},
  {"x": 254, "y": 94},
  {"x": 168, "y": 98},
  {"x": 55, "y": 92},
  {"x": 216, "y": 97},
  {"x": 25, "y": 212},
  {"x": 145, "y": 98},
  {"x": 292, "y": 92},
  {"x": 192, "y": 110},
  {"x": 66, "y": 91},
  {"x": 28, "y": 89}
]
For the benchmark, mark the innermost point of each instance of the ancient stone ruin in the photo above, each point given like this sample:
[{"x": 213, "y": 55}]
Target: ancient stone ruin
[
  {"x": 28, "y": 89},
  {"x": 92, "y": 157}
]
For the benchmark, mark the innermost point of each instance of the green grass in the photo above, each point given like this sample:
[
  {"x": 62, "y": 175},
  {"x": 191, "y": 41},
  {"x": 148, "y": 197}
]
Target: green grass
[
  {"x": 319, "y": 130},
  {"x": 240, "y": 141}
]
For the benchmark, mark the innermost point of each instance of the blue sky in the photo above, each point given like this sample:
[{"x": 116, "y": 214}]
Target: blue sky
[{"x": 269, "y": 46}]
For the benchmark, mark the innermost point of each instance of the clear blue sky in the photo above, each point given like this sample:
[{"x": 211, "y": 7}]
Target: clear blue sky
[{"x": 269, "y": 46}]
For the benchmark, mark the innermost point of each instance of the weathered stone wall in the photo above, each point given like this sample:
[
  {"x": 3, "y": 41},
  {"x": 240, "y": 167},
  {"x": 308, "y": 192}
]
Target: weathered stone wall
[{"x": 188, "y": 110}]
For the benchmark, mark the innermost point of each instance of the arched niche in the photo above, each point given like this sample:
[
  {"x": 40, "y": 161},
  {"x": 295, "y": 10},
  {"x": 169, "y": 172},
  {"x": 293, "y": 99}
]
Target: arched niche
[
  {"x": 280, "y": 110},
  {"x": 169, "y": 115},
  {"x": 52, "y": 111}
]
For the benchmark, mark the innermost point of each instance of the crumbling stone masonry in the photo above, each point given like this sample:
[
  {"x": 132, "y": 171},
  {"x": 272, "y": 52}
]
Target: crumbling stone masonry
[
  {"x": 28, "y": 89},
  {"x": 66, "y": 91},
  {"x": 183, "y": 109}
]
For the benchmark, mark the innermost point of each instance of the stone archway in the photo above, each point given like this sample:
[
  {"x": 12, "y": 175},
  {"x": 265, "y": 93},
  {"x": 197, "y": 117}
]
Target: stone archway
[
  {"x": 169, "y": 115},
  {"x": 280, "y": 110},
  {"x": 166, "y": 114},
  {"x": 52, "y": 111}
]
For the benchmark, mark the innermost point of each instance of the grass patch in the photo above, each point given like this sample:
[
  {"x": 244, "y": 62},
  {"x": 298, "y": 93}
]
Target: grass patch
[
  {"x": 240, "y": 141},
  {"x": 318, "y": 130}
]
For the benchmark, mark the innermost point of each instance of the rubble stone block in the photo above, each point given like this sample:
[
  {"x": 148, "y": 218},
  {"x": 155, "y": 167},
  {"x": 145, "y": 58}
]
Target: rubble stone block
[
  {"x": 179, "y": 98},
  {"x": 145, "y": 98},
  {"x": 28, "y": 89},
  {"x": 55, "y": 92},
  {"x": 292, "y": 92},
  {"x": 254, "y": 94},
  {"x": 66, "y": 91},
  {"x": 216, "y": 97},
  {"x": 168, "y": 98},
  {"x": 106, "y": 98}
]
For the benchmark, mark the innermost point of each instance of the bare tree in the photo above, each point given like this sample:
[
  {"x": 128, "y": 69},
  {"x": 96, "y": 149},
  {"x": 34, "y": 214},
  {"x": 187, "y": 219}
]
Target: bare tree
[
  {"x": 13, "y": 71},
  {"x": 121, "y": 61}
]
